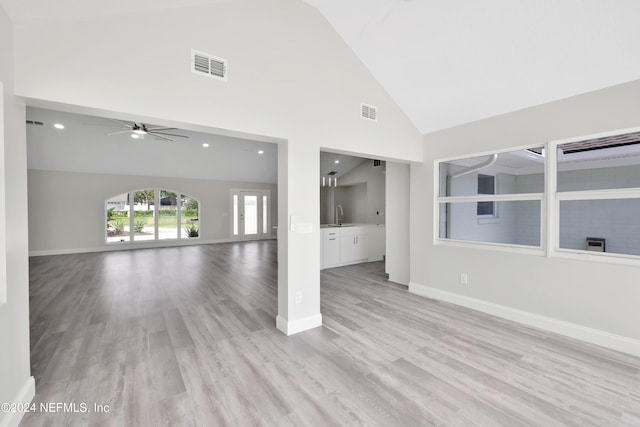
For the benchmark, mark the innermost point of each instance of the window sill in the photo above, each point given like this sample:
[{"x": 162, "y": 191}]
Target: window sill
[{"x": 502, "y": 247}]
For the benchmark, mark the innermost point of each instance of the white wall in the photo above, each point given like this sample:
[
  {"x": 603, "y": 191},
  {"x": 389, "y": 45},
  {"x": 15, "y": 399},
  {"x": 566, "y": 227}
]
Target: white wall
[
  {"x": 279, "y": 86},
  {"x": 66, "y": 209},
  {"x": 397, "y": 226},
  {"x": 369, "y": 183},
  {"x": 602, "y": 296},
  {"x": 15, "y": 380}
]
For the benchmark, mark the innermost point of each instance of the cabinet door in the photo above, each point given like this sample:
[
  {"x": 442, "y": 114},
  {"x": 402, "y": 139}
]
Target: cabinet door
[
  {"x": 361, "y": 248},
  {"x": 330, "y": 249},
  {"x": 347, "y": 248}
]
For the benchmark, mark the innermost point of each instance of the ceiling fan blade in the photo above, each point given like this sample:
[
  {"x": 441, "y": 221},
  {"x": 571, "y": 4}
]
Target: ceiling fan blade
[
  {"x": 121, "y": 123},
  {"x": 157, "y": 129},
  {"x": 160, "y": 137},
  {"x": 170, "y": 134},
  {"x": 117, "y": 132},
  {"x": 98, "y": 124}
]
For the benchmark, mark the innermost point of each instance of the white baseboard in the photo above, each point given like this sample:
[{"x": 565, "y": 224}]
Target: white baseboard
[
  {"x": 583, "y": 333},
  {"x": 130, "y": 246},
  {"x": 300, "y": 325},
  {"x": 26, "y": 395}
]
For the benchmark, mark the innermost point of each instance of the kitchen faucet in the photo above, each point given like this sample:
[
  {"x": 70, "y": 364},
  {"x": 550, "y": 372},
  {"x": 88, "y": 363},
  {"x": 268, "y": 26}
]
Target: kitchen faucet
[{"x": 341, "y": 213}]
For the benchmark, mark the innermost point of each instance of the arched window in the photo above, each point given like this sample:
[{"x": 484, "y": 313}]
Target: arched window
[{"x": 152, "y": 214}]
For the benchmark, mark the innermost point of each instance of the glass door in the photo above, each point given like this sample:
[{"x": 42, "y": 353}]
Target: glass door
[{"x": 249, "y": 214}]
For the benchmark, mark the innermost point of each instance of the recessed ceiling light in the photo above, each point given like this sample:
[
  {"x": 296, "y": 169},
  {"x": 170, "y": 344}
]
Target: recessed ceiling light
[
  {"x": 205, "y": 145},
  {"x": 336, "y": 162},
  {"x": 58, "y": 126},
  {"x": 261, "y": 152},
  {"x": 135, "y": 136}
]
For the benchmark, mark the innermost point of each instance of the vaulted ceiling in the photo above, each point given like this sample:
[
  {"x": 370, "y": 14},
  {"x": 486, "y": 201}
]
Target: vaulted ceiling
[{"x": 449, "y": 62}]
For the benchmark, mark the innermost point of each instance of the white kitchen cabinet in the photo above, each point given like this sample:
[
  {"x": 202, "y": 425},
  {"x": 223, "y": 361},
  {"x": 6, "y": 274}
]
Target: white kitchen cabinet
[
  {"x": 330, "y": 248},
  {"x": 344, "y": 245},
  {"x": 353, "y": 245}
]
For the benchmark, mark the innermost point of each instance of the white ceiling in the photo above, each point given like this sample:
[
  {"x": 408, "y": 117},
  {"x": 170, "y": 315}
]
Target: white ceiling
[
  {"x": 344, "y": 165},
  {"x": 449, "y": 62},
  {"x": 87, "y": 148},
  {"x": 29, "y": 10}
]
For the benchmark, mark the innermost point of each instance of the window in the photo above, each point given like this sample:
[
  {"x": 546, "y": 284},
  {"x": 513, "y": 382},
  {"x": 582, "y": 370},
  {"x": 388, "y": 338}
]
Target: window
[
  {"x": 592, "y": 208},
  {"x": 144, "y": 215},
  {"x": 189, "y": 215},
  {"x": 168, "y": 215},
  {"x": 486, "y": 185},
  {"x": 598, "y": 198},
  {"x": 492, "y": 199},
  {"x": 138, "y": 210}
]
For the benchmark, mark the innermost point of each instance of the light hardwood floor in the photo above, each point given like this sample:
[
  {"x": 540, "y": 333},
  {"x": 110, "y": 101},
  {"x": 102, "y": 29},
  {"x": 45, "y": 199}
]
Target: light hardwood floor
[{"x": 186, "y": 336}]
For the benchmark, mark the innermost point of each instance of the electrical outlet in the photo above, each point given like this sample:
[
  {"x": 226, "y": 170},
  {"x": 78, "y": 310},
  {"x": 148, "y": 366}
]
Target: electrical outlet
[
  {"x": 464, "y": 279},
  {"x": 298, "y": 297}
]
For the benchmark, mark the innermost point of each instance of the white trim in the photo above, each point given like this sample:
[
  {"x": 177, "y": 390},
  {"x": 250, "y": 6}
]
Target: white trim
[
  {"x": 508, "y": 247},
  {"x": 300, "y": 325},
  {"x": 515, "y": 197},
  {"x": 582, "y": 333},
  {"x": 26, "y": 395},
  {"x": 619, "y": 193},
  {"x": 608, "y": 257},
  {"x": 150, "y": 244}
]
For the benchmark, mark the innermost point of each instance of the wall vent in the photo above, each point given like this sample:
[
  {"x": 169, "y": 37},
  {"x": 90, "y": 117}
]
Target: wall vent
[
  {"x": 377, "y": 163},
  {"x": 207, "y": 65},
  {"x": 34, "y": 122},
  {"x": 368, "y": 112}
]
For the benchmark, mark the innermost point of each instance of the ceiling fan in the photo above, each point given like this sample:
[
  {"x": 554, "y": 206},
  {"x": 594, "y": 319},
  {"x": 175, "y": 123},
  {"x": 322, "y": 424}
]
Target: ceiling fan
[{"x": 139, "y": 130}]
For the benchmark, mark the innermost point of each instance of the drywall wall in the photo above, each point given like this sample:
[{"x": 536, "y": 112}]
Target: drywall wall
[
  {"x": 16, "y": 384},
  {"x": 66, "y": 209},
  {"x": 397, "y": 228},
  {"x": 371, "y": 209},
  {"x": 598, "y": 295},
  {"x": 278, "y": 87},
  {"x": 353, "y": 199}
]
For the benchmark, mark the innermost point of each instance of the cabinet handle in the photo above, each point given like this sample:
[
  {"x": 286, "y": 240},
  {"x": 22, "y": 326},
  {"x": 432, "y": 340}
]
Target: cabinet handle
[{"x": 332, "y": 239}]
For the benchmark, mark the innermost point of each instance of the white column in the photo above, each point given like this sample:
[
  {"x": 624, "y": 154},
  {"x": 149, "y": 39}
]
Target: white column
[{"x": 298, "y": 237}]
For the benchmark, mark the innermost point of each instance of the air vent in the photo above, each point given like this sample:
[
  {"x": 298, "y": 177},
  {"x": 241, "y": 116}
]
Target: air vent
[
  {"x": 368, "y": 112},
  {"x": 377, "y": 163},
  {"x": 34, "y": 122},
  {"x": 207, "y": 65}
]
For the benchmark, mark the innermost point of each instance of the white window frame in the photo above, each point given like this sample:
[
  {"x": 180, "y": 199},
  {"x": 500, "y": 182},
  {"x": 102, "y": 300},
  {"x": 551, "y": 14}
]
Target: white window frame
[
  {"x": 557, "y": 197},
  {"x": 507, "y": 247},
  {"x": 261, "y": 193},
  {"x": 493, "y": 215},
  {"x": 549, "y": 204},
  {"x": 156, "y": 203}
]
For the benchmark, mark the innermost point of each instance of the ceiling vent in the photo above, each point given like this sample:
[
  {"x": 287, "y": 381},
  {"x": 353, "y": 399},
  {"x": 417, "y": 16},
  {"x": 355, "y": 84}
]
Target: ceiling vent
[
  {"x": 368, "y": 112},
  {"x": 34, "y": 122},
  {"x": 207, "y": 65},
  {"x": 332, "y": 173}
]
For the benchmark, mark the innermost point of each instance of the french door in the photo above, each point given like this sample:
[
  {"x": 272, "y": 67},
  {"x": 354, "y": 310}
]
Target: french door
[{"x": 250, "y": 214}]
